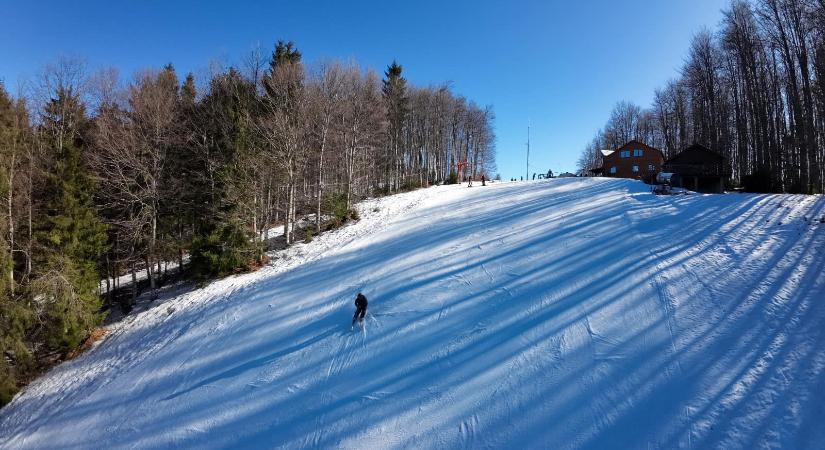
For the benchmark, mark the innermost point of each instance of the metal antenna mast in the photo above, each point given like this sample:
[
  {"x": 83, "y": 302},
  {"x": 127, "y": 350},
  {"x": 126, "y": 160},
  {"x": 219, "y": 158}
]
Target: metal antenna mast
[{"x": 527, "y": 175}]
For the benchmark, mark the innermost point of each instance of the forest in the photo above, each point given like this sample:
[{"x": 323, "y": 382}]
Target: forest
[
  {"x": 752, "y": 90},
  {"x": 102, "y": 178}
]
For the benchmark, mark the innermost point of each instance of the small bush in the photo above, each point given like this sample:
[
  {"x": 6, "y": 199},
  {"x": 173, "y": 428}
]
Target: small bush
[
  {"x": 257, "y": 263},
  {"x": 16, "y": 318},
  {"x": 222, "y": 251},
  {"x": 308, "y": 235},
  {"x": 410, "y": 185},
  {"x": 336, "y": 205},
  {"x": 97, "y": 334},
  {"x": 8, "y": 384},
  {"x": 453, "y": 178},
  {"x": 69, "y": 290}
]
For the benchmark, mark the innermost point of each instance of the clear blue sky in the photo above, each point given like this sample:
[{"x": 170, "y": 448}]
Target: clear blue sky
[{"x": 561, "y": 65}]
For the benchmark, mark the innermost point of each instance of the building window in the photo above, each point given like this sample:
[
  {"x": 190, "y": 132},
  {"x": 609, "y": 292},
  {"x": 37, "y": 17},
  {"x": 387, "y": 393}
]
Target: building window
[
  {"x": 635, "y": 168},
  {"x": 638, "y": 152},
  {"x": 625, "y": 154},
  {"x": 651, "y": 167},
  {"x": 613, "y": 169}
]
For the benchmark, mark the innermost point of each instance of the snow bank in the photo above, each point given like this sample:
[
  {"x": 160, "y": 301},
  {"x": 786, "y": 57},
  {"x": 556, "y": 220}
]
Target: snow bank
[{"x": 567, "y": 313}]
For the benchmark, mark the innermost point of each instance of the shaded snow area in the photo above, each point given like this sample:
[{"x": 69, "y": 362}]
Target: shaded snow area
[{"x": 567, "y": 313}]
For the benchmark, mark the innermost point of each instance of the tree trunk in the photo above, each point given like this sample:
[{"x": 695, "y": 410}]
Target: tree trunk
[
  {"x": 11, "y": 222},
  {"x": 151, "y": 254},
  {"x": 30, "y": 208},
  {"x": 321, "y": 175},
  {"x": 180, "y": 247},
  {"x": 108, "y": 284},
  {"x": 134, "y": 286}
]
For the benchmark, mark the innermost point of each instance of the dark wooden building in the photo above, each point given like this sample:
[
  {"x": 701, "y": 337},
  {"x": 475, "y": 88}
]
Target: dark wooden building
[
  {"x": 632, "y": 160},
  {"x": 699, "y": 169}
]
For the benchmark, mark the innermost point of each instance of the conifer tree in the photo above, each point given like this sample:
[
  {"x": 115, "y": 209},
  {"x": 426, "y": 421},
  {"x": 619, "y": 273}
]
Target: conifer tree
[
  {"x": 184, "y": 168},
  {"x": 15, "y": 314},
  {"x": 15, "y": 319},
  {"x": 395, "y": 97},
  {"x": 225, "y": 152},
  {"x": 71, "y": 237},
  {"x": 7, "y": 162},
  {"x": 188, "y": 91},
  {"x": 284, "y": 56},
  {"x": 285, "y": 52},
  {"x": 283, "y": 122}
]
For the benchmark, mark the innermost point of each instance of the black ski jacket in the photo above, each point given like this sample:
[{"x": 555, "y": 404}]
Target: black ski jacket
[{"x": 361, "y": 301}]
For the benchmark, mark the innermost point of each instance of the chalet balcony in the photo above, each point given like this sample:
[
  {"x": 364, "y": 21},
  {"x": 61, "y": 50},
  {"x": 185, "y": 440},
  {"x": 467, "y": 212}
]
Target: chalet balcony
[{"x": 700, "y": 170}]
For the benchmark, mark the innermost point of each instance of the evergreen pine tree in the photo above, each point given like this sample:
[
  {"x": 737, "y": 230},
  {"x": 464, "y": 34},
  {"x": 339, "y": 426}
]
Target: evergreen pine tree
[
  {"x": 15, "y": 315},
  {"x": 185, "y": 169},
  {"x": 188, "y": 92},
  {"x": 222, "y": 242},
  {"x": 283, "y": 81},
  {"x": 285, "y": 52},
  {"x": 71, "y": 237},
  {"x": 15, "y": 320},
  {"x": 284, "y": 116},
  {"x": 395, "y": 97}
]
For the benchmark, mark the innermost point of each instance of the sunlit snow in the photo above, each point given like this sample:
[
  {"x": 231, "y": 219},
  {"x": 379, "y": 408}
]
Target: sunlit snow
[{"x": 574, "y": 313}]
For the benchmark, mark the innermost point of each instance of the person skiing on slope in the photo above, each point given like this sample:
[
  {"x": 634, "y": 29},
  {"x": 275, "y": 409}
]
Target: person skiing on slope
[{"x": 360, "y": 308}]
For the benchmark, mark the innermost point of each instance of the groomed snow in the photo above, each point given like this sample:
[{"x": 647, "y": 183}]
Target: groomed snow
[{"x": 567, "y": 313}]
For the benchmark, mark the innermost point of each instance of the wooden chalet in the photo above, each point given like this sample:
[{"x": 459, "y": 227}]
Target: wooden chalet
[
  {"x": 699, "y": 169},
  {"x": 633, "y": 160}
]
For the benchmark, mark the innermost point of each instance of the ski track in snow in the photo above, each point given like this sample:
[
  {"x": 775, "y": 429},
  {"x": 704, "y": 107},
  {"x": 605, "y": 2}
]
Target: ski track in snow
[{"x": 568, "y": 313}]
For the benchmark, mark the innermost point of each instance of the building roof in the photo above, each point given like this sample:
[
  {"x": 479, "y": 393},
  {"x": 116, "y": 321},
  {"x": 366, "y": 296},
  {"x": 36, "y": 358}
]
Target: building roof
[
  {"x": 696, "y": 154},
  {"x": 633, "y": 144},
  {"x": 698, "y": 160}
]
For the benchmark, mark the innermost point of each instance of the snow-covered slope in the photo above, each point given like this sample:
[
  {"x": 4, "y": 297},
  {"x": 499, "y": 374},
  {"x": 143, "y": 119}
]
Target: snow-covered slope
[{"x": 576, "y": 313}]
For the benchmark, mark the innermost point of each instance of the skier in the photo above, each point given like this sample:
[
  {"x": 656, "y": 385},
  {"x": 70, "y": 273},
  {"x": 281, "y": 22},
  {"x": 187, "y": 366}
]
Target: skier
[
  {"x": 483, "y": 181},
  {"x": 470, "y": 181},
  {"x": 360, "y": 308}
]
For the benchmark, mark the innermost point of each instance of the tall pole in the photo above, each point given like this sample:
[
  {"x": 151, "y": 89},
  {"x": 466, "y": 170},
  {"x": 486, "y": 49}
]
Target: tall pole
[{"x": 527, "y": 177}]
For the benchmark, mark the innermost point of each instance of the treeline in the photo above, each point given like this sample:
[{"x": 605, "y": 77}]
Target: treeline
[
  {"x": 753, "y": 90},
  {"x": 100, "y": 180}
]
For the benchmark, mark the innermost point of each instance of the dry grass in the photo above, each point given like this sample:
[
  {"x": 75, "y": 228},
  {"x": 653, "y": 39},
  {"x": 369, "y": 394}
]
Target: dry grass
[{"x": 96, "y": 335}]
